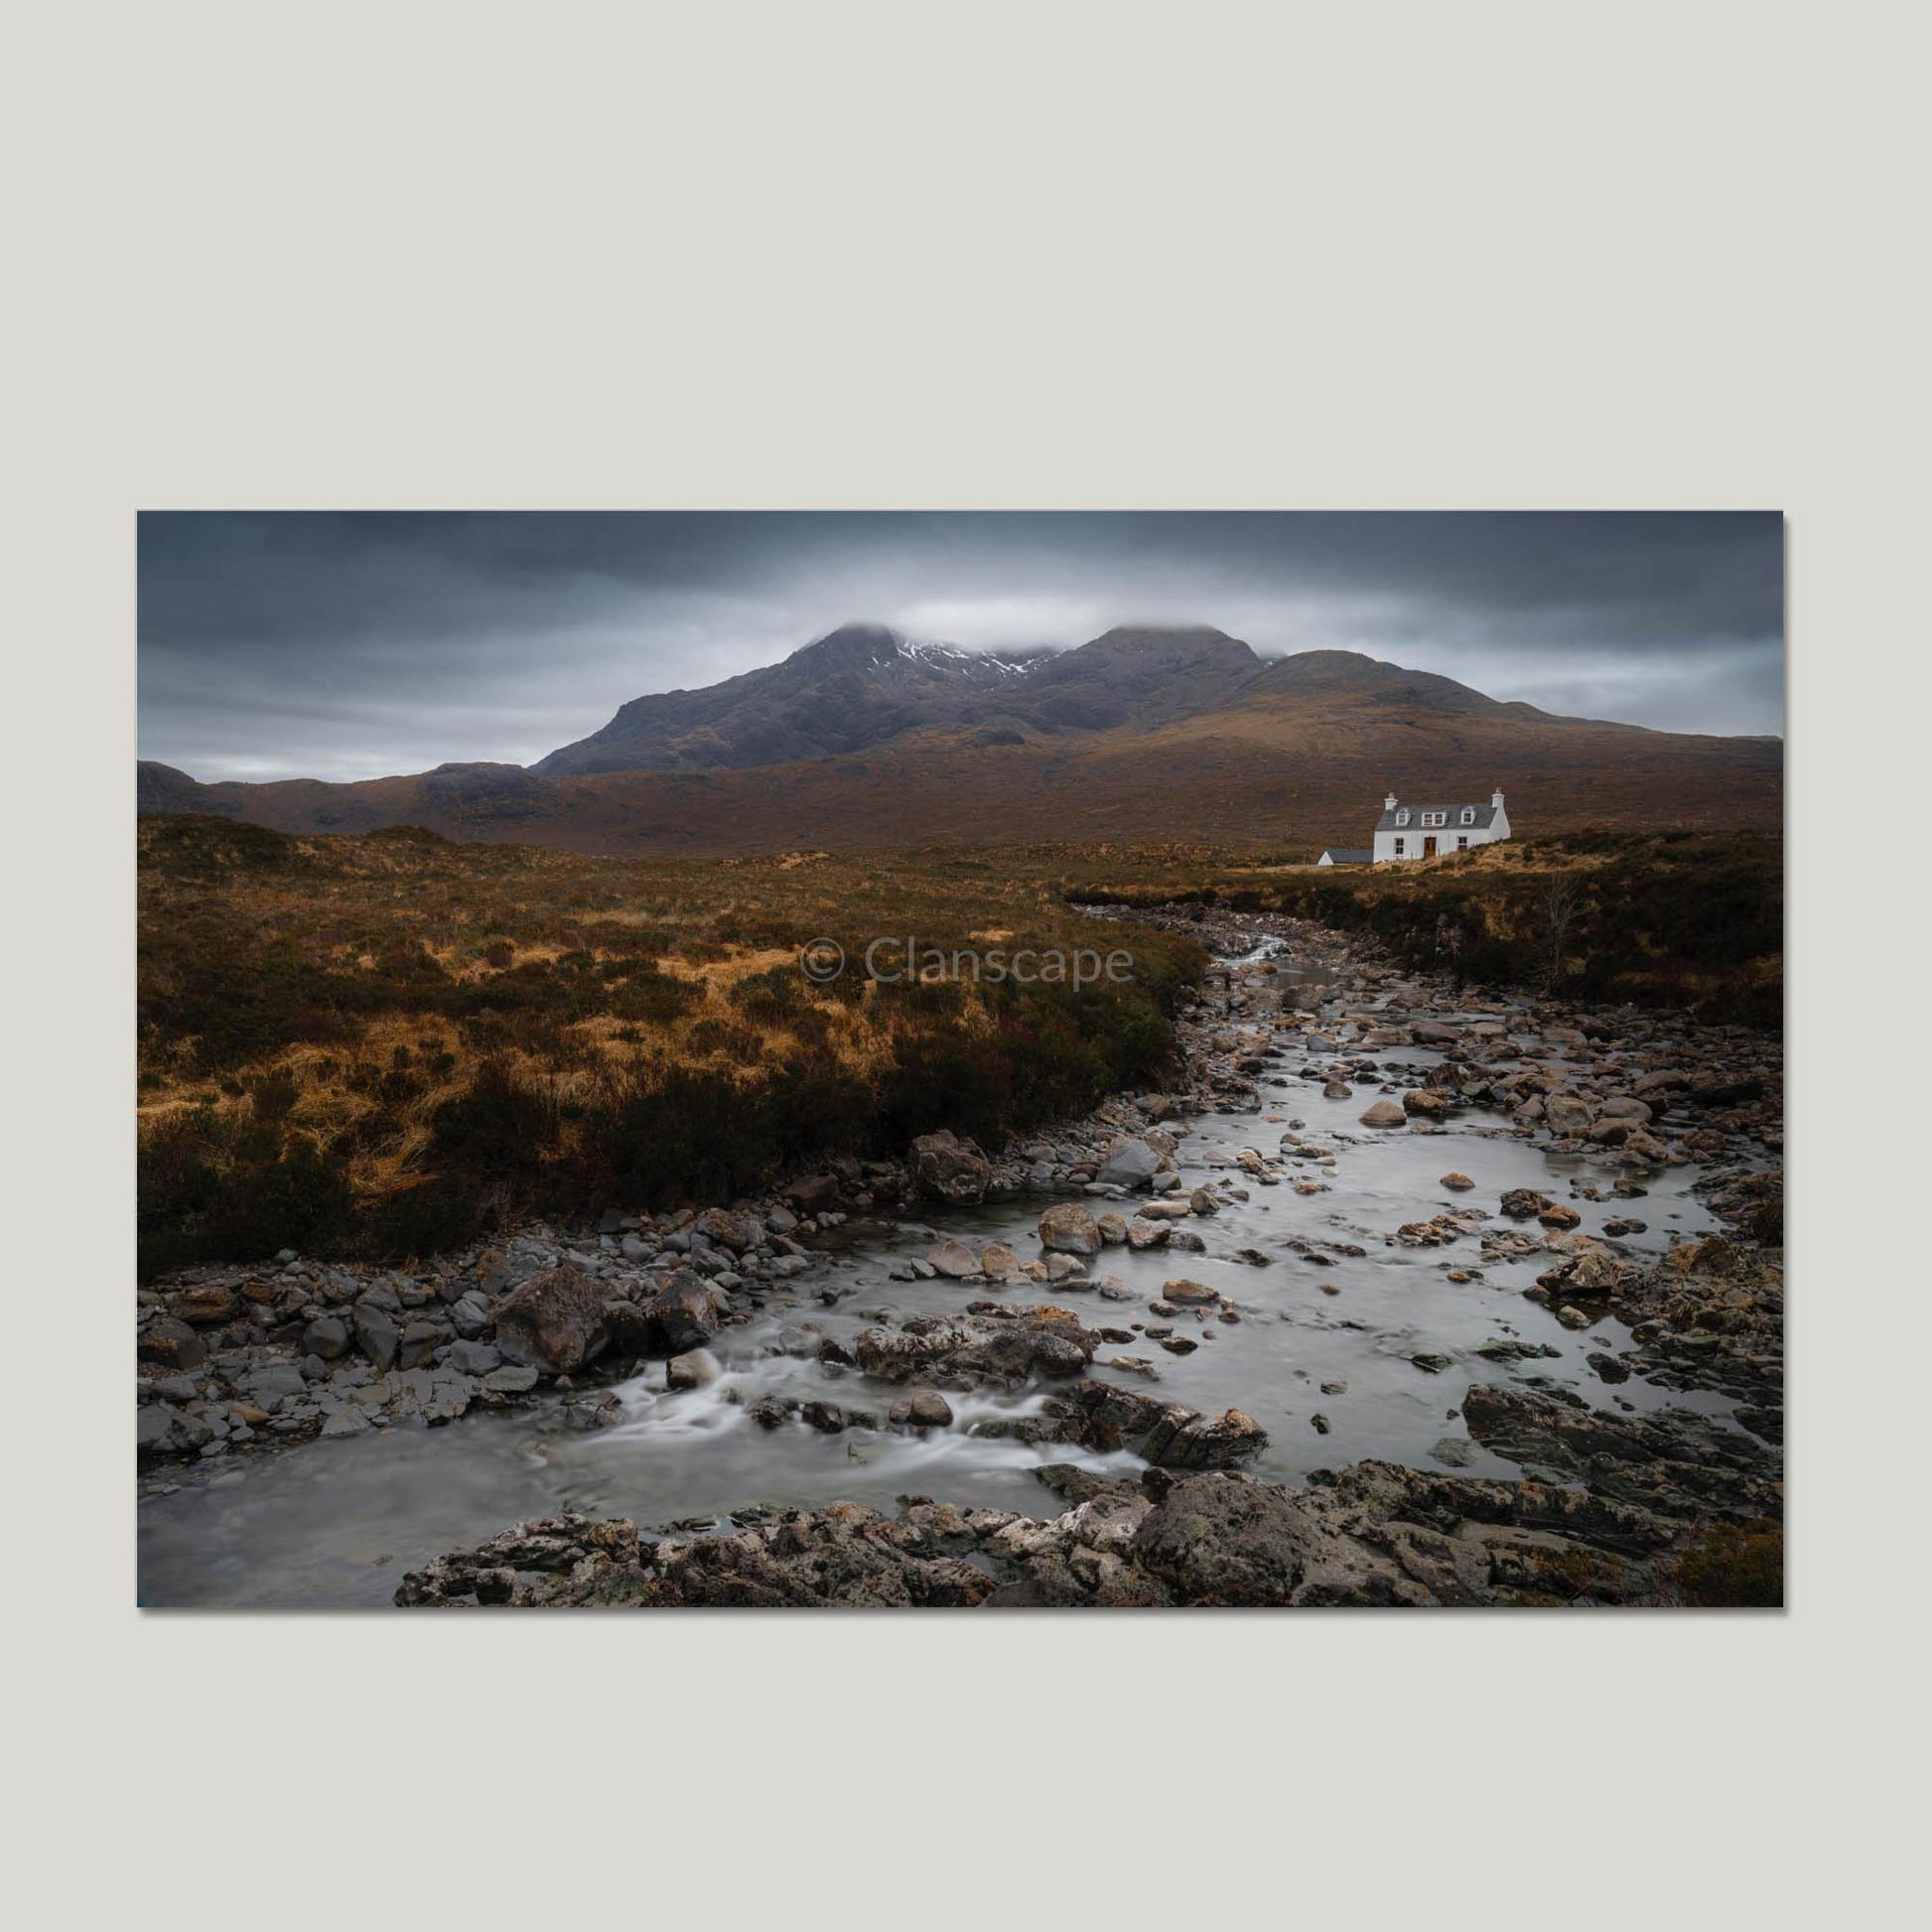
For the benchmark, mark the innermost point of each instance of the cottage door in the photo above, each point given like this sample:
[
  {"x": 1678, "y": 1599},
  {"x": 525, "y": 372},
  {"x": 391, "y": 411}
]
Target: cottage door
[{"x": 1428, "y": 847}]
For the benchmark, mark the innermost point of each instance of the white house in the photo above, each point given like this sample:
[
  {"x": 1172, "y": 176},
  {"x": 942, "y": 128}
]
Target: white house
[{"x": 1421, "y": 831}]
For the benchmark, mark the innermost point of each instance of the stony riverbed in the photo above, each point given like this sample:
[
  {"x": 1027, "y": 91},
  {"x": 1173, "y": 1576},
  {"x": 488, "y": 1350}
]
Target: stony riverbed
[{"x": 1398, "y": 1294}]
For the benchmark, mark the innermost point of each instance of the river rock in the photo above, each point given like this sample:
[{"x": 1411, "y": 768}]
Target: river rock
[
  {"x": 513, "y": 1378},
  {"x": 947, "y": 1168},
  {"x": 1128, "y": 1164},
  {"x": 993, "y": 1344},
  {"x": 954, "y": 1260},
  {"x": 1190, "y": 1294},
  {"x": 738, "y": 1232},
  {"x": 1143, "y": 1234},
  {"x": 1384, "y": 1113},
  {"x": 1646, "y": 1149},
  {"x": 376, "y": 1334},
  {"x": 692, "y": 1370},
  {"x": 682, "y": 1316},
  {"x": 1659, "y": 1080},
  {"x": 1524, "y": 1203},
  {"x": 1565, "y": 1116},
  {"x": 1625, "y": 1106},
  {"x": 555, "y": 1320},
  {"x": 1457, "y": 1183},
  {"x": 592, "y": 1408},
  {"x": 208, "y": 1305},
  {"x": 1070, "y": 1228},
  {"x": 814, "y": 1193},
  {"x": 420, "y": 1340},
  {"x": 1428, "y": 1102},
  {"x": 1594, "y": 1273},
  {"x": 327, "y": 1336},
  {"x": 1185, "y": 1440},
  {"x": 173, "y": 1343}
]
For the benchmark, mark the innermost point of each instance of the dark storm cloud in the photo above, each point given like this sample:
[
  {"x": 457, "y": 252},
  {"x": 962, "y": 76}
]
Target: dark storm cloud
[{"x": 354, "y": 645}]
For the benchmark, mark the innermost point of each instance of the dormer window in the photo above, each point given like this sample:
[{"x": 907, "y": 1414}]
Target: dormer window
[
  {"x": 1468, "y": 814},
  {"x": 1402, "y": 818},
  {"x": 1435, "y": 818}
]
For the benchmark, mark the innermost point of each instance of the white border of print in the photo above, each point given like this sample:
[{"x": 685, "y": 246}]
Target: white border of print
[{"x": 1059, "y": 255}]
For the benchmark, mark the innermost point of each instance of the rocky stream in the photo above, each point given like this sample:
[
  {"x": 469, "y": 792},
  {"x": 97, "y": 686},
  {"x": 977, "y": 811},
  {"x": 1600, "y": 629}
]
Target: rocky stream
[{"x": 1397, "y": 1295}]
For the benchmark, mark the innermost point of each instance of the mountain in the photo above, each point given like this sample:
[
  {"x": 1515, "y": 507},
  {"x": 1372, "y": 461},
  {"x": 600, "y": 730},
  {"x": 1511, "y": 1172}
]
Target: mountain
[
  {"x": 857, "y": 686},
  {"x": 863, "y": 684},
  {"x": 866, "y": 739},
  {"x": 161, "y": 789}
]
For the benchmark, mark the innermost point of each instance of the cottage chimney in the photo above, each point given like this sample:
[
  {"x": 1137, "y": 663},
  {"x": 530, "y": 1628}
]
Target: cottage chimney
[
  {"x": 1388, "y": 804},
  {"x": 1496, "y": 799}
]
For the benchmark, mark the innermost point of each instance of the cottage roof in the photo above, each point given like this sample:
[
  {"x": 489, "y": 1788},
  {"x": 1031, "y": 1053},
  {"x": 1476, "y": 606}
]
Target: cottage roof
[
  {"x": 1349, "y": 854},
  {"x": 1485, "y": 816}
]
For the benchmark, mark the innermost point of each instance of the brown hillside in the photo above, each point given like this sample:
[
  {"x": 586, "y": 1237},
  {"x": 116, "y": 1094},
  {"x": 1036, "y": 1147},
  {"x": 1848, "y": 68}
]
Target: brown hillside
[{"x": 1276, "y": 772}]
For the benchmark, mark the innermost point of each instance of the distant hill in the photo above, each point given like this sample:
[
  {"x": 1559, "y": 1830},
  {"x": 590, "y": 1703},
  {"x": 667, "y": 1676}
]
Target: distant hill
[{"x": 865, "y": 739}]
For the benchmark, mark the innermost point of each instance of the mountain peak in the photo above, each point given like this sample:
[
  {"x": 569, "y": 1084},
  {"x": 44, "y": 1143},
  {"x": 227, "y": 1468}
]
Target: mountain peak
[
  {"x": 852, "y": 645},
  {"x": 1344, "y": 674},
  {"x": 1164, "y": 637}
]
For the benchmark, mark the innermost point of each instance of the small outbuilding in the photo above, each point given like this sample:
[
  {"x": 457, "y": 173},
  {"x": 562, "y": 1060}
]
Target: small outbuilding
[{"x": 1346, "y": 855}]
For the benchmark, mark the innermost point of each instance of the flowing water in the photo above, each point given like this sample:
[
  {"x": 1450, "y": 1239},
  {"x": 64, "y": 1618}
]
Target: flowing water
[{"x": 337, "y": 1523}]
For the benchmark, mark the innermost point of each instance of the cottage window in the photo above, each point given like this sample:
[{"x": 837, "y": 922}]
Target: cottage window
[
  {"x": 1461, "y": 844},
  {"x": 1398, "y": 848},
  {"x": 1402, "y": 818},
  {"x": 1435, "y": 818},
  {"x": 1468, "y": 814}
]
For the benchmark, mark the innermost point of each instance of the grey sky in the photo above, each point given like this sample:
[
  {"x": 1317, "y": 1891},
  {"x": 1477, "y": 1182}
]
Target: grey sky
[{"x": 349, "y": 646}]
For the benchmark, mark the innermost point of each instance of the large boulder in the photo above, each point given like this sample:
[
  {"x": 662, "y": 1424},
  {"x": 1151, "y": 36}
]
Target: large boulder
[
  {"x": 1128, "y": 1164},
  {"x": 1009, "y": 1345},
  {"x": 738, "y": 1232},
  {"x": 680, "y": 1317},
  {"x": 378, "y": 1335},
  {"x": 1185, "y": 1440},
  {"x": 1594, "y": 1272},
  {"x": 1068, "y": 1228},
  {"x": 947, "y": 1168},
  {"x": 555, "y": 1320},
  {"x": 1384, "y": 1113},
  {"x": 1222, "y": 1539},
  {"x": 1565, "y": 1116},
  {"x": 812, "y": 1191},
  {"x": 172, "y": 1344}
]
